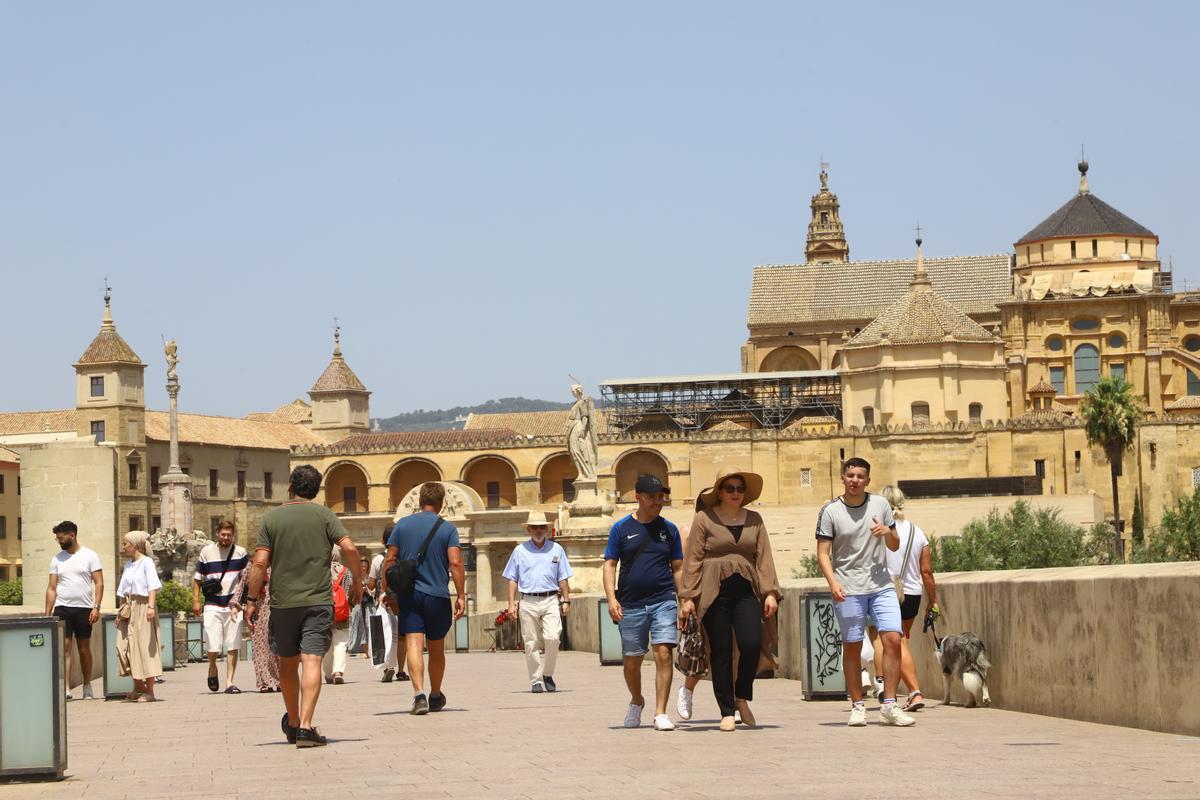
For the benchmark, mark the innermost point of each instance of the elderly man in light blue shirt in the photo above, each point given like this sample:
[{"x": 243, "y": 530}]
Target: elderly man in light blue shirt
[{"x": 538, "y": 569}]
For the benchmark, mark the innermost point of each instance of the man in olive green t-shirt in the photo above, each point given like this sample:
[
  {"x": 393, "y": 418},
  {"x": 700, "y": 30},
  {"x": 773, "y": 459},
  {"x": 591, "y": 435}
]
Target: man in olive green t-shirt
[{"x": 296, "y": 541}]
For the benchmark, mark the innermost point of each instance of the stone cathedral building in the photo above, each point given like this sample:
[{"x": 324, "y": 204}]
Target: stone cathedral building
[{"x": 958, "y": 377}]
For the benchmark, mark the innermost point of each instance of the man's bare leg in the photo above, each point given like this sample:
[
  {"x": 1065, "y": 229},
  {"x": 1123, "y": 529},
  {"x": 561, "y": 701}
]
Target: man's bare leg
[
  {"x": 415, "y": 644},
  {"x": 437, "y": 664},
  {"x": 231, "y": 659},
  {"x": 852, "y": 669},
  {"x": 891, "y": 663},
  {"x": 310, "y": 687},
  {"x": 633, "y": 679},
  {"x": 289, "y": 686},
  {"x": 85, "y": 659},
  {"x": 662, "y": 677}
]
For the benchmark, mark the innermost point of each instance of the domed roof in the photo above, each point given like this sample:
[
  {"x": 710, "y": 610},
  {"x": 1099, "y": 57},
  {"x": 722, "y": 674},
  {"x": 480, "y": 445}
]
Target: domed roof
[
  {"x": 338, "y": 377},
  {"x": 108, "y": 347},
  {"x": 1085, "y": 215},
  {"x": 921, "y": 316}
]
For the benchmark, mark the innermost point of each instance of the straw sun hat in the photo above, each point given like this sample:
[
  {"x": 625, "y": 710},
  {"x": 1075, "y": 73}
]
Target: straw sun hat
[{"x": 754, "y": 482}]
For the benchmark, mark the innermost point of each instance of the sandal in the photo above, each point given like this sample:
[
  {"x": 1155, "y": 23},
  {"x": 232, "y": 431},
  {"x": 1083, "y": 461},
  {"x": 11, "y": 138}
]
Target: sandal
[
  {"x": 213, "y": 683},
  {"x": 132, "y": 697},
  {"x": 915, "y": 702},
  {"x": 231, "y": 689}
]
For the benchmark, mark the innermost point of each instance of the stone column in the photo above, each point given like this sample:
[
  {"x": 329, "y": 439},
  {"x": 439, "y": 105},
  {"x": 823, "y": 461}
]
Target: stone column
[
  {"x": 175, "y": 488},
  {"x": 484, "y": 600}
]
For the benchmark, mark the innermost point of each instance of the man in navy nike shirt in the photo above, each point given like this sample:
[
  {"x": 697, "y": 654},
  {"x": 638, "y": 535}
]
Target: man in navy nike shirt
[{"x": 644, "y": 601}]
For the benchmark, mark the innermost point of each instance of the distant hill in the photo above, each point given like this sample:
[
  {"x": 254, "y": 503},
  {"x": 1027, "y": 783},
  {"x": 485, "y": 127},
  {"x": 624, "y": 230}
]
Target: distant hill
[{"x": 454, "y": 418}]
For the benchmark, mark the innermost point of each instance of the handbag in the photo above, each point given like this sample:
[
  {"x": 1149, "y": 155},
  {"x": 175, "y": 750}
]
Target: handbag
[
  {"x": 402, "y": 576},
  {"x": 341, "y": 603},
  {"x": 898, "y": 580},
  {"x": 690, "y": 657},
  {"x": 211, "y": 587}
]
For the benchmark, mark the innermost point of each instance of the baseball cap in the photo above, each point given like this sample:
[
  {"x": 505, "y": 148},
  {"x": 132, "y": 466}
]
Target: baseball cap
[{"x": 649, "y": 484}]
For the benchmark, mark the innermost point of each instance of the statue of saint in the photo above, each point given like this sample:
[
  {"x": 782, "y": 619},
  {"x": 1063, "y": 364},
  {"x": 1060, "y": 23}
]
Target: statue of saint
[
  {"x": 171, "y": 350},
  {"x": 581, "y": 434}
]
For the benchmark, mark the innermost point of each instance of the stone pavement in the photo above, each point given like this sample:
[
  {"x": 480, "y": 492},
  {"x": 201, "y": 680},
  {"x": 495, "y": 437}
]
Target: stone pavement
[{"x": 496, "y": 740}]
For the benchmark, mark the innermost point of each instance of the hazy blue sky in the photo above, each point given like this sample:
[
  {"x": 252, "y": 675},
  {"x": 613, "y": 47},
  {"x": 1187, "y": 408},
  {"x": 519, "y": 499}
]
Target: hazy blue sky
[{"x": 490, "y": 195}]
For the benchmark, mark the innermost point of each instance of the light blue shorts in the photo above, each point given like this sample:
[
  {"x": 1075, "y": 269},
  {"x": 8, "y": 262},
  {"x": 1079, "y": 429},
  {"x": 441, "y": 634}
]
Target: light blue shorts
[
  {"x": 852, "y": 613},
  {"x": 656, "y": 623}
]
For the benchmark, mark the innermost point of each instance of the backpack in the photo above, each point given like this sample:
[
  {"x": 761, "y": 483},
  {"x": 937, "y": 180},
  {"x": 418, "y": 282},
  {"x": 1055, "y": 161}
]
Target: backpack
[{"x": 341, "y": 603}]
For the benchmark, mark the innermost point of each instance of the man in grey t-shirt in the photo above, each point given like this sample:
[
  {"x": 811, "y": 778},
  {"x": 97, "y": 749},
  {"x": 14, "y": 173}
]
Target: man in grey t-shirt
[{"x": 852, "y": 532}]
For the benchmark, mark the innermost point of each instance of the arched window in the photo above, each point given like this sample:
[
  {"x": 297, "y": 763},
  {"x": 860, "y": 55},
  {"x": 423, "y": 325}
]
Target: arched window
[
  {"x": 1193, "y": 384},
  {"x": 1087, "y": 367},
  {"x": 975, "y": 411},
  {"x": 868, "y": 415},
  {"x": 920, "y": 413}
]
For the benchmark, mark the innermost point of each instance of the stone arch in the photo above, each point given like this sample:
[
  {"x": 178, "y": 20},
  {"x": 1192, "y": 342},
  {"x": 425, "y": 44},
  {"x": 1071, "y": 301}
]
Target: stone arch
[
  {"x": 406, "y": 474},
  {"x": 494, "y": 478},
  {"x": 632, "y": 463},
  {"x": 346, "y": 488},
  {"x": 459, "y": 500},
  {"x": 788, "y": 359},
  {"x": 555, "y": 474}
]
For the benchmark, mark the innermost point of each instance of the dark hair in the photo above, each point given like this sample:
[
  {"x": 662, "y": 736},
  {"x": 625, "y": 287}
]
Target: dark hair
[
  {"x": 387, "y": 534},
  {"x": 856, "y": 462},
  {"x": 225, "y": 525},
  {"x": 66, "y": 526},
  {"x": 305, "y": 481},
  {"x": 432, "y": 494}
]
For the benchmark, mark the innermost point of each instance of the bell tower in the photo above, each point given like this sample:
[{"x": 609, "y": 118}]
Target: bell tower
[
  {"x": 340, "y": 401},
  {"x": 110, "y": 398},
  {"x": 826, "y": 235}
]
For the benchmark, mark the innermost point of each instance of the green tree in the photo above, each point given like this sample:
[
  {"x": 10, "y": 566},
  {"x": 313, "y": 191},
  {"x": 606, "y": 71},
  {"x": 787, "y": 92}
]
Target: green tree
[
  {"x": 1020, "y": 538},
  {"x": 11, "y": 593},
  {"x": 1110, "y": 416},
  {"x": 174, "y": 597},
  {"x": 1139, "y": 521},
  {"x": 1178, "y": 537}
]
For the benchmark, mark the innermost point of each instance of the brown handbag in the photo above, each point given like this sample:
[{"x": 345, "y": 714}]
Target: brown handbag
[{"x": 691, "y": 658}]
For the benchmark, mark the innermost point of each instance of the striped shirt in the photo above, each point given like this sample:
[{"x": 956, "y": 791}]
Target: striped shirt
[{"x": 211, "y": 564}]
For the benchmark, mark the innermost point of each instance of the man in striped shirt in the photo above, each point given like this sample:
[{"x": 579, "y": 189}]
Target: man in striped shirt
[{"x": 220, "y": 572}]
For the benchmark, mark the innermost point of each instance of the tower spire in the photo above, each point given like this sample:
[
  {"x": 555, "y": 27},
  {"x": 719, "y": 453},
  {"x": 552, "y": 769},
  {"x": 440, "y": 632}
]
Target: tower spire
[
  {"x": 107, "y": 322},
  {"x": 337, "y": 338},
  {"x": 1083, "y": 168},
  {"x": 920, "y": 276},
  {"x": 826, "y": 235}
]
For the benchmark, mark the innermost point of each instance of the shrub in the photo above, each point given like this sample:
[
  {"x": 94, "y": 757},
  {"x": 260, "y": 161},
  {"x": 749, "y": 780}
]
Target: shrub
[
  {"x": 173, "y": 598},
  {"x": 1020, "y": 538},
  {"x": 809, "y": 567},
  {"x": 1177, "y": 538},
  {"x": 11, "y": 593}
]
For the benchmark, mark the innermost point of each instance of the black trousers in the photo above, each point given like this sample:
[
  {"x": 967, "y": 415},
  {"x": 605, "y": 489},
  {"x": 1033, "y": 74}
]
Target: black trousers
[{"x": 736, "y": 611}]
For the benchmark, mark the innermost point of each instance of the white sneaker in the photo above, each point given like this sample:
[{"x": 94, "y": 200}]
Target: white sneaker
[
  {"x": 683, "y": 703},
  {"x": 892, "y": 714},
  {"x": 69, "y": 696},
  {"x": 87, "y": 692},
  {"x": 663, "y": 723},
  {"x": 633, "y": 716},
  {"x": 858, "y": 716}
]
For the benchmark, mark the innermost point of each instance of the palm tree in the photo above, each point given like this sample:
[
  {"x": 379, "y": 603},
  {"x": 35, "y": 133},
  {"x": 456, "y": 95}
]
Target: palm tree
[{"x": 1110, "y": 416}]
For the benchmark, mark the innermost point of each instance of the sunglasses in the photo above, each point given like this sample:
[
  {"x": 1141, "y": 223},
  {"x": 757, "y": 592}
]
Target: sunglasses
[
  {"x": 537, "y": 527},
  {"x": 734, "y": 488}
]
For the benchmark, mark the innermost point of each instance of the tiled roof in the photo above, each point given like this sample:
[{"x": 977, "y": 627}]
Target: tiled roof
[
  {"x": 338, "y": 377},
  {"x": 1187, "y": 402},
  {"x": 1041, "y": 387},
  {"x": 1042, "y": 416},
  {"x": 921, "y": 316},
  {"x": 230, "y": 431},
  {"x": 861, "y": 290},
  {"x": 727, "y": 425},
  {"x": 109, "y": 348},
  {"x": 401, "y": 441},
  {"x": 294, "y": 412},
  {"x": 1085, "y": 215},
  {"x": 531, "y": 423},
  {"x": 18, "y": 422},
  {"x": 9, "y": 456}
]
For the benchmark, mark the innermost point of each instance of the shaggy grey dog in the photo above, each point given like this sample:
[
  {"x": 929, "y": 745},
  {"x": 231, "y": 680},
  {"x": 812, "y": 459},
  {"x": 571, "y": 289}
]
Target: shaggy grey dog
[{"x": 964, "y": 657}]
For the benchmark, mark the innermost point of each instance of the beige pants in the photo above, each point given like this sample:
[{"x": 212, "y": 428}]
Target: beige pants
[
  {"x": 335, "y": 657},
  {"x": 541, "y": 626}
]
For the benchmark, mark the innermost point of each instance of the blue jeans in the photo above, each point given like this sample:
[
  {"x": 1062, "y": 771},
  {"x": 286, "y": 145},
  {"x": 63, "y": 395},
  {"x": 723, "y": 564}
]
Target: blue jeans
[
  {"x": 852, "y": 613},
  {"x": 656, "y": 623}
]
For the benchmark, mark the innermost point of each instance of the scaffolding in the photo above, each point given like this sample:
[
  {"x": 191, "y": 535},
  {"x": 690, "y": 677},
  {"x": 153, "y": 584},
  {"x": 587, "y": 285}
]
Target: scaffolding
[{"x": 772, "y": 399}]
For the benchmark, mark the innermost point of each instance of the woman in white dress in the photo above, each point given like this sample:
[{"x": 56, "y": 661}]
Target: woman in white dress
[{"x": 137, "y": 618}]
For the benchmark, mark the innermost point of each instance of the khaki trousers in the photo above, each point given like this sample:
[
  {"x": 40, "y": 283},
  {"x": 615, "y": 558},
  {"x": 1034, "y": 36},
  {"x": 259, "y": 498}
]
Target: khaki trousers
[{"x": 541, "y": 626}]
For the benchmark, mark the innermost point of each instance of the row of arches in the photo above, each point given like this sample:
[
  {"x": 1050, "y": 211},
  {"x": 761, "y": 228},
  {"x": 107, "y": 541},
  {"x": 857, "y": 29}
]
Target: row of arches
[{"x": 492, "y": 476}]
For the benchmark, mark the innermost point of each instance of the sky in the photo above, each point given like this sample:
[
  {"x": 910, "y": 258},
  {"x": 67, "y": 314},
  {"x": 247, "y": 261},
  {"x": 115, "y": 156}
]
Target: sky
[{"x": 491, "y": 196}]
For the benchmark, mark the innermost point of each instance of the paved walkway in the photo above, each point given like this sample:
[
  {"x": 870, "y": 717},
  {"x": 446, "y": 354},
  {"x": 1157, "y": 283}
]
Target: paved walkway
[{"x": 497, "y": 741}]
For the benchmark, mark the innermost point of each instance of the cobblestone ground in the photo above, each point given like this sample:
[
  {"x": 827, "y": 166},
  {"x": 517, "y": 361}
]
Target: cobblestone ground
[{"x": 496, "y": 740}]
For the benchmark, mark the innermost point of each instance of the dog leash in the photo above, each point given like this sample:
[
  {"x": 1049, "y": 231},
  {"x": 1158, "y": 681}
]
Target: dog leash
[{"x": 929, "y": 624}]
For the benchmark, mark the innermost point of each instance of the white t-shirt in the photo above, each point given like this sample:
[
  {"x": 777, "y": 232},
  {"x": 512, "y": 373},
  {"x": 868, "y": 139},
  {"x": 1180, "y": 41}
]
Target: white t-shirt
[
  {"x": 139, "y": 578},
  {"x": 74, "y": 571},
  {"x": 912, "y": 568},
  {"x": 376, "y": 566}
]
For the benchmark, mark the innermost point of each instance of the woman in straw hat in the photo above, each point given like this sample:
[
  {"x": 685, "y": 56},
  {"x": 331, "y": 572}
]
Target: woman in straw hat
[
  {"x": 137, "y": 619},
  {"x": 729, "y": 581}
]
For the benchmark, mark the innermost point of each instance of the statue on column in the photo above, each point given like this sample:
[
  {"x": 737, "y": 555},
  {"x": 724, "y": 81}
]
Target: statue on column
[
  {"x": 170, "y": 349},
  {"x": 582, "y": 442}
]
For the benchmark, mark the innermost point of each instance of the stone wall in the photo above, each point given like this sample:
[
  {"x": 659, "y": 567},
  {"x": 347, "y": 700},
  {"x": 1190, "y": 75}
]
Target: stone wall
[{"x": 73, "y": 480}]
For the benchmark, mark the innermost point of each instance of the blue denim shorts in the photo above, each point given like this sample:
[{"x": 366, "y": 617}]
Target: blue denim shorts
[
  {"x": 655, "y": 623},
  {"x": 853, "y": 612}
]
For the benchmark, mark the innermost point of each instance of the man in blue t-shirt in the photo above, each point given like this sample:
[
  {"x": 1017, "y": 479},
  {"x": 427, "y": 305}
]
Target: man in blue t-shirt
[
  {"x": 424, "y": 617},
  {"x": 644, "y": 600}
]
